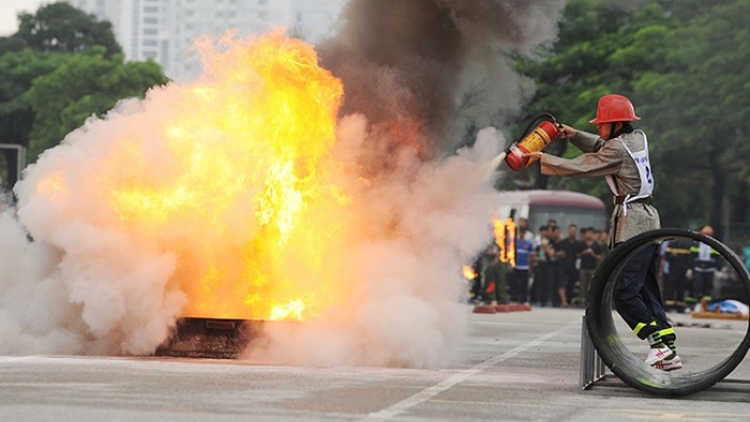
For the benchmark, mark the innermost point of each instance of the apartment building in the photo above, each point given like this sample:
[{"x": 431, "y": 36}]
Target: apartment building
[{"x": 164, "y": 30}]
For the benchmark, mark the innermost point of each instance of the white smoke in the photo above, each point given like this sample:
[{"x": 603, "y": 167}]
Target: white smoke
[
  {"x": 90, "y": 283},
  {"x": 85, "y": 284},
  {"x": 426, "y": 221}
]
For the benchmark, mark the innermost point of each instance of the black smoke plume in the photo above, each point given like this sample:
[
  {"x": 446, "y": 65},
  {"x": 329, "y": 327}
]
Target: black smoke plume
[{"x": 403, "y": 61}]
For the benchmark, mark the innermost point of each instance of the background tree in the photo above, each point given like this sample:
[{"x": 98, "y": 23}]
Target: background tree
[
  {"x": 63, "y": 28},
  {"x": 684, "y": 65},
  {"x": 19, "y": 69},
  {"x": 61, "y": 67},
  {"x": 698, "y": 103},
  {"x": 82, "y": 85},
  {"x": 577, "y": 72}
]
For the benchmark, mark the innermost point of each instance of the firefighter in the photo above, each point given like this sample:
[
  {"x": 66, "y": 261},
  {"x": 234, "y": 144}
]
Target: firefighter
[
  {"x": 705, "y": 264},
  {"x": 620, "y": 154},
  {"x": 492, "y": 277},
  {"x": 677, "y": 257}
]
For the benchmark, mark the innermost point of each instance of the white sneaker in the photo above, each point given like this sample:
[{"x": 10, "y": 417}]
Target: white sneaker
[
  {"x": 669, "y": 364},
  {"x": 658, "y": 354}
]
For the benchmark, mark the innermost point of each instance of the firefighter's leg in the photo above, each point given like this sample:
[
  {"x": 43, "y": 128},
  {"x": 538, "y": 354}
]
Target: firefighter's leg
[
  {"x": 709, "y": 289},
  {"x": 490, "y": 288},
  {"x": 627, "y": 294},
  {"x": 699, "y": 285},
  {"x": 680, "y": 287},
  {"x": 501, "y": 278},
  {"x": 652, "y": 299}
]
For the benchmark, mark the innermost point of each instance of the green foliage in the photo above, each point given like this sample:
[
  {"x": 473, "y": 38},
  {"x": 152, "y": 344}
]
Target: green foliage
[
  {"x": 19, "y": 69},
  {"x": 697, "y": 102},
  {"x": 61, "y": 27},
  {"x": 684, "y": 63},
  {"x": 84, "y": 84},
  {"x": 60, "y": 68}
]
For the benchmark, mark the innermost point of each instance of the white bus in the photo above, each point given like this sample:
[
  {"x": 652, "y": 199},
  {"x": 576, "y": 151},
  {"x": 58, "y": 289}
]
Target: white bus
[{"x": 565, "y": 207}]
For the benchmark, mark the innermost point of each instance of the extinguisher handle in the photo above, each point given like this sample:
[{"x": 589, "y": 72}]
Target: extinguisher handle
[{"x": 554, "y": 121}]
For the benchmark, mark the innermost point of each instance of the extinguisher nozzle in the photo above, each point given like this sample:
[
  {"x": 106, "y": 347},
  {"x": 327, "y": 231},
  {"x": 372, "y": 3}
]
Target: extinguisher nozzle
[
  {"x": 491, "y": 169},
  {"x": 498, "y": 159}
]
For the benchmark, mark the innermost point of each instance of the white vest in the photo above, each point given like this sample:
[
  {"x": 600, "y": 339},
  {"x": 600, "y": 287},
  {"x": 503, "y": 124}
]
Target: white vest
[{"x": 644, "y": 170}]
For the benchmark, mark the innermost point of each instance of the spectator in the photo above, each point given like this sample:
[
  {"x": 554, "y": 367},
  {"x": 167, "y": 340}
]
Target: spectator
[
  {"x": 705, "y": 264},
  {"x": 602, "y": 237},
  {"x": 677, "y": 259},
  {"x": 554, "y": 268},
  {"x": 519, "y": 279},
  {"x": 570, "y": 247},
  {"x": 524, "y": 224},
  {"x": 541, "y": 283},
  {"x": 590, "y": 254}
]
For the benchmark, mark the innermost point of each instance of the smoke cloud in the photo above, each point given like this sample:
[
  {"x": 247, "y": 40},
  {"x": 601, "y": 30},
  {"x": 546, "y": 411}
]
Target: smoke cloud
[
  {"x": 411, "y": 60},
  {"x": 91, "y": 282}
]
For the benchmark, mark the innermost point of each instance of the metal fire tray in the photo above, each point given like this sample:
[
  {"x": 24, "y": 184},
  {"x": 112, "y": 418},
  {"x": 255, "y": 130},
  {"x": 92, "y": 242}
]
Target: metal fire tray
[{"x": 212, "y": 338}]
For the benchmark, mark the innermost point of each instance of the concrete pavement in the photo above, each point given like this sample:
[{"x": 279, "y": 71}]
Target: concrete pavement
[{"x": 520, "y": 366}]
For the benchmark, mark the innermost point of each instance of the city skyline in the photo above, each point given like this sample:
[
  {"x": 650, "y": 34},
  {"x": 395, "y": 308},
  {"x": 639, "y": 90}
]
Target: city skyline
[{"x": 164, "y": 30}]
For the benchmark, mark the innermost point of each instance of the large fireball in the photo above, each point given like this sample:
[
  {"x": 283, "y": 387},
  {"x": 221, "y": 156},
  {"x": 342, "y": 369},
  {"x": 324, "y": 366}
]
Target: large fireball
[
  {"x": 268, "y": 189},
  {"x": 226, "y": 176}
]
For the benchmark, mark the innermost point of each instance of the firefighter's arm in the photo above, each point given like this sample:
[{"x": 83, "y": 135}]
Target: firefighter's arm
[
  {"x": 586, "y": 142},
  {"x": 566, "y": 132},
  {"x": 606, "y": 161},
  {"x": 532, "y": 158}
]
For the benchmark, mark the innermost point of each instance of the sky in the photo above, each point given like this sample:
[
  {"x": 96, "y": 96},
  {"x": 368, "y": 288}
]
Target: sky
[{"x": 9, "y": 10}]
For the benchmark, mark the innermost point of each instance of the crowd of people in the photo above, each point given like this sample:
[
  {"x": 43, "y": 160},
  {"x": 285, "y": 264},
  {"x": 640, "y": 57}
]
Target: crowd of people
[
  {"x": 688, "y": 273},
  {"x": 549, "y": 270},
  {"x": 555, "y": 271}
]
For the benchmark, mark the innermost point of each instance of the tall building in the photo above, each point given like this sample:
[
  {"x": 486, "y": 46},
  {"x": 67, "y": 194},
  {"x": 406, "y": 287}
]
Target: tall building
[{"x": 164, "y": 30}]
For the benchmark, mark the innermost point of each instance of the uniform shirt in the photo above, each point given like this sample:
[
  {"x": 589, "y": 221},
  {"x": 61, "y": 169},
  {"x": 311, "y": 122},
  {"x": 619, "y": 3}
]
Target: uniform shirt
[
  {"x": 705, "y": 258},
  {"x": 524, "y": 248},
  {"x": 604, "y": 158},
  {"x": 678, "y": 255}
]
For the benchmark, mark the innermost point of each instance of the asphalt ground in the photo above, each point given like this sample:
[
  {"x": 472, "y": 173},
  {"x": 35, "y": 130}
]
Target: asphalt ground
[{"x": 519, "y": 366}]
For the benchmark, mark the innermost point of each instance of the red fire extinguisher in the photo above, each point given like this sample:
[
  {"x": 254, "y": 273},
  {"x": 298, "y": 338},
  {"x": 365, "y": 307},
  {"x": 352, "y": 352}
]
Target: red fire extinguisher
[{"x": 532, "y": 141}]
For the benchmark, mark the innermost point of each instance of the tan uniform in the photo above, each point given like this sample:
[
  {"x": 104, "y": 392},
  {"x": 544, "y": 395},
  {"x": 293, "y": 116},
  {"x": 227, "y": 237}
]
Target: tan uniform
[{"x": 610, "y": 158}]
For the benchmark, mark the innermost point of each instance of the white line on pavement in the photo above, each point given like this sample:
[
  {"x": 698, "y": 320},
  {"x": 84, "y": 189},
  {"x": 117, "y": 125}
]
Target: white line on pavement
[{"x": 430, "y": 392}]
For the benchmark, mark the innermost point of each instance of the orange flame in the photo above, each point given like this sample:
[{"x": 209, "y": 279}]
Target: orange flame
[
  {"x": 241, "y": 194},
  {"x": 469, "y": 273},
  {"x": 505, "y": 238}
]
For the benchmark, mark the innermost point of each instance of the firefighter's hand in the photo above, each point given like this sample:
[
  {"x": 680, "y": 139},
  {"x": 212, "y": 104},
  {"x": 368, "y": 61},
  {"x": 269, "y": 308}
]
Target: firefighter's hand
[
  {"x": 532, "y": 158},
  {"x": 566, "y": 132}
]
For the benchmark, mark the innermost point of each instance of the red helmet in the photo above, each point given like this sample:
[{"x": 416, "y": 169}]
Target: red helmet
[{"x": 614, "y": 108}]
